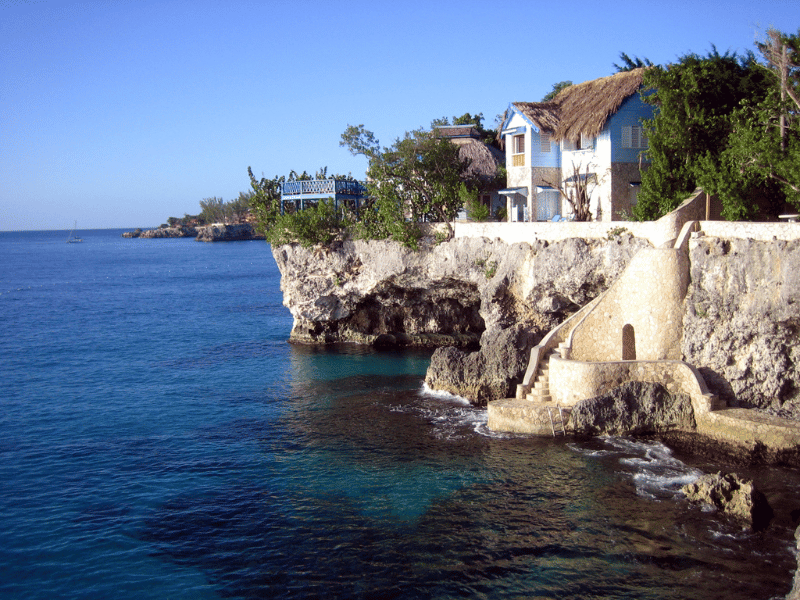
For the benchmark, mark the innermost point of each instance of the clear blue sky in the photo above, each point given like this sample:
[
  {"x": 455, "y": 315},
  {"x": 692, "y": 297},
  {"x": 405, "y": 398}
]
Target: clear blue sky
[{"x": 122, "y": 113}]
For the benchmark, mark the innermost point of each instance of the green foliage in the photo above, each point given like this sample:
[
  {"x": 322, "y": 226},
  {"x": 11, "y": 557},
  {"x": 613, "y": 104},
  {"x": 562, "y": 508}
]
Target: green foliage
[
  {"x": 629, "y": 64},
  {"x": 616, "y": 232},
  {"x": 316, "y": 224},
  {"x": 417, "y": 179},
  {"x": 557, "y": 87},
  {"x": 763, "y": 150},
  {"x": 476, "y": 210},
  {"x": 695, "y": 100},
  {"x": 265, "y": 201}
]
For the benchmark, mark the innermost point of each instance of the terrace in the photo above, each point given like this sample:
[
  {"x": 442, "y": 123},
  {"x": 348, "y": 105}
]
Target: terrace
[{"x": 300, "y": 194}]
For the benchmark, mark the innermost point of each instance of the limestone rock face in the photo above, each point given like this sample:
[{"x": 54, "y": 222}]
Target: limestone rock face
[
  {"x": 732, "y": 496},
  {"x": 742, "y": 320},
  {"x": 162, "y": 232},
  {"x": 631, "y": 409},
  {"x": 468, "y": 292},
  {"x": 219, "y": 232}
]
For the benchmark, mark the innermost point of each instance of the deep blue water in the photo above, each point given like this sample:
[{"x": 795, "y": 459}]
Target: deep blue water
[{"x": 159, "y": 438}]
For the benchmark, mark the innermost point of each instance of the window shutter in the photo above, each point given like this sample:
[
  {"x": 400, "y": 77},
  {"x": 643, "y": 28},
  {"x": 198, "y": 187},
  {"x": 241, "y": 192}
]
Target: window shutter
[
  {"x": 545, "y": 141},
  {"x": 627, "y": 135},
  {"x": 636, "y": 136}
]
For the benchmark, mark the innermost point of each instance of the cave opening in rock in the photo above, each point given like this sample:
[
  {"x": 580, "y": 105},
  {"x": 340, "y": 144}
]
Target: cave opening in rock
[{"x": 451, "y": 309}]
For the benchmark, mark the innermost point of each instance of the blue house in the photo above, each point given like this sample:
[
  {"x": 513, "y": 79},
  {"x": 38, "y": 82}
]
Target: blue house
[{"x": 589, "y": 133}]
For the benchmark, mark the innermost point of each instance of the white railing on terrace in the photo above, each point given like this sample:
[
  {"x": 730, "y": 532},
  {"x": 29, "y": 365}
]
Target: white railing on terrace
[{"x": 316, "y": 187}]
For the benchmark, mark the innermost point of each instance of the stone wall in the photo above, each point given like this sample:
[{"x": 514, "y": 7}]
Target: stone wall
[
  {"x": 572, "y": 381},
  {"x": 645, "y": 306},
  {"x": 763, "y": 232},
  {"x": 659, "y": 233}
]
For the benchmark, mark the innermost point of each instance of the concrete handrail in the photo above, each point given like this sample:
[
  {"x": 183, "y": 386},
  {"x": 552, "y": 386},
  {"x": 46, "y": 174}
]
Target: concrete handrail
[{"x": 552, "y": 340}]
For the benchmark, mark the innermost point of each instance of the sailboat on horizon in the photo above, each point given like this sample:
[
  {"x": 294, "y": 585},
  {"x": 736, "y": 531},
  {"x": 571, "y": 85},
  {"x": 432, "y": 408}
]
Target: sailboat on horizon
[{"x": 72, "y": 238}]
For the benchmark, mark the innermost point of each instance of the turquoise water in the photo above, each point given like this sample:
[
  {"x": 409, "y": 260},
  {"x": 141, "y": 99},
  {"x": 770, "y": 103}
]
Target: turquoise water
[{"x": 159, "y": 438}]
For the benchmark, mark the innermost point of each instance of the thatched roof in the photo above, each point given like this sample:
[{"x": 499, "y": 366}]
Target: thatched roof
[
  {"x": 484, "y": 160},
  {"x": 545, "y": 115},
  {"x": 583, "y": 108}
]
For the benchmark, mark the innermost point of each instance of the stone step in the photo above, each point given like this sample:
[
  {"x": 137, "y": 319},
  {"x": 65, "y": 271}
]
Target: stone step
[{"x": 539, "y": 398}]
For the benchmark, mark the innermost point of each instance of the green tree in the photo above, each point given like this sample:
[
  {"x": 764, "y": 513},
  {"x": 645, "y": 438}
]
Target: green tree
[
  {"x": 416, "y": 179},
  {"x": 764, "y": 147},
  {"x": 265, "y": 202},
  {"x": 695, "y": 100},
  {"x": 557, "y": 87},
  {"x": 629, "y": 64}
]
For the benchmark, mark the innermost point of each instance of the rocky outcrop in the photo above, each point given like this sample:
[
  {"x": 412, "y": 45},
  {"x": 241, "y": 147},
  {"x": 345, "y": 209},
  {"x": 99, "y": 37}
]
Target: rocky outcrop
[
  {"x": 634, "y": 408},
  {"x": 468, "y": 291},
  {"x": 219, "y": 232},
  {"x": 731, "y": 496},
  {"x": 794, "y": 594},
  {"x": 162, "y": 232},
  {"x": 742, "y": 320}
]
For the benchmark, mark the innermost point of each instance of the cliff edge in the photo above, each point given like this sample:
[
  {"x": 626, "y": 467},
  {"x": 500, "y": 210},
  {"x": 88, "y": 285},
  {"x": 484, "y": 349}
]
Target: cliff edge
[{"x": 478, "y": 294}]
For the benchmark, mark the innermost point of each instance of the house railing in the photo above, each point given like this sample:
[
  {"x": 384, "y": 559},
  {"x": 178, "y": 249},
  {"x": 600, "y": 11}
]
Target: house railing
[{"x": 322, "y": 187}]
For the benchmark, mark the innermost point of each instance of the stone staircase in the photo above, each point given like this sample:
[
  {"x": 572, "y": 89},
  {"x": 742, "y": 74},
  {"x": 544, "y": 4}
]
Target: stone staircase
[{"x": 540, "y": 391}]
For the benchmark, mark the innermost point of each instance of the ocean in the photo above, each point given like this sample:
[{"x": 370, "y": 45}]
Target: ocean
[{"x": 160, "y": 438}]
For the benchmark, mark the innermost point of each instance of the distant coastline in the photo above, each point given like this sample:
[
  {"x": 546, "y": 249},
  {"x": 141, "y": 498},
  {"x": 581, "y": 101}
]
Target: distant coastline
[{"x": 216, "y": 232}]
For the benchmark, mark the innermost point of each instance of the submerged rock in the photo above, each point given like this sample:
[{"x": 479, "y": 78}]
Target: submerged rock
[
  {"x": 634, "y": 408},
  {"x": 731, "y": 496}
]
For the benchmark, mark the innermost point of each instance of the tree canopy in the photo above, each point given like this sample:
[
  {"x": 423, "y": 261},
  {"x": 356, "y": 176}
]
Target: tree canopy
[
  {"x": 629, "y": 64},
  {"x": 557, "y": 87},
  {"x": 696, "y": 103},
  {"x": 418, "y": 178}
]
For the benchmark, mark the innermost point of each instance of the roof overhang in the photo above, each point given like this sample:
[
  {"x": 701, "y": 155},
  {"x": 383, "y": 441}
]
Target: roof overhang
[{"x": 522, "y": 191}]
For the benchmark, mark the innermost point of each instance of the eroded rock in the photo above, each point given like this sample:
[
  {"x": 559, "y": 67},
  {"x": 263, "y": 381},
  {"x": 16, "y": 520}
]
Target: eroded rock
[
  {"x": 634, "y": 408},
  {"x": 464, "y": 292},
  {"x": 742, "y": 321},
  {"x": 731, "y": 496}
]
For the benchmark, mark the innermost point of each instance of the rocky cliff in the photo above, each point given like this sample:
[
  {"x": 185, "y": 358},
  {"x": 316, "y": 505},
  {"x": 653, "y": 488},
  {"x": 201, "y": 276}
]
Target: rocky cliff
[
  {"x": 492, "y": 300},
  {"x": 486, "y": 303},
  {"x": 219, "y": 232},
  {"x": 742, "y": 319}
]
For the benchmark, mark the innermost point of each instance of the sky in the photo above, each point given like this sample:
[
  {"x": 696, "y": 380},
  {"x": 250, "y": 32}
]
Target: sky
[{"x": 121, "y": 113}]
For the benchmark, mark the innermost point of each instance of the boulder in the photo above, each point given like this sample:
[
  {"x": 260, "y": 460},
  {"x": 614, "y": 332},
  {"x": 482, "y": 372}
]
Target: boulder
[
  {"x": 731, "y": 496},
  {"x": 633, "y": 408}
]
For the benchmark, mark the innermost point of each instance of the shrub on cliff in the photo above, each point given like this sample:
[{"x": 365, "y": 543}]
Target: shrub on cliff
[
  {"x": 318, "y": 224},
  {"x": 418, "y": 178}
]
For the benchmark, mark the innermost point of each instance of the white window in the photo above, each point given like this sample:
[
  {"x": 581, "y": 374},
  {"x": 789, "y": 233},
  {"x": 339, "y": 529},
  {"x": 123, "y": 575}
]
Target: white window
[
  {"x": 633, "y": 137},
  {"x": 544, "y": 138},
  {"x": 584, "y": 142},
  {"x": 518, "y": 148}
]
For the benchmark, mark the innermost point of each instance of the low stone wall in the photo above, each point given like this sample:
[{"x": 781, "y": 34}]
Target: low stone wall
[
  {"x": 763, "y": 232},
  {"x": 513, "y": 233},
  {"x": 659, "y": 233},
  {"x": 572, "y": 381}
]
